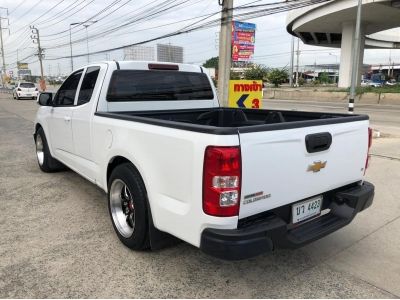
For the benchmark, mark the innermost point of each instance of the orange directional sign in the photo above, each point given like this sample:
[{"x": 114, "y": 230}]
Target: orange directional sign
[{"x": 245, "y": 93}]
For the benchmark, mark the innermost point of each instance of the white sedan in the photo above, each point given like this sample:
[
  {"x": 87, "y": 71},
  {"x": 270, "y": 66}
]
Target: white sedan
[{"x": 25, "y": 90}]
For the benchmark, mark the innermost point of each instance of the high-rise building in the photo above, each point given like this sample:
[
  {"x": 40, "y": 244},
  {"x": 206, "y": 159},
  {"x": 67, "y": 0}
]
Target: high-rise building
[
  {"x": 169, "y": 53},
  {"x": 145, "y": 53}
]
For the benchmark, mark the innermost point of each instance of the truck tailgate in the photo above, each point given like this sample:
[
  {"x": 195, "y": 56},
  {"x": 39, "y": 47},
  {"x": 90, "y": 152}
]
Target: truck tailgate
[{"x": 277, "y": 168}]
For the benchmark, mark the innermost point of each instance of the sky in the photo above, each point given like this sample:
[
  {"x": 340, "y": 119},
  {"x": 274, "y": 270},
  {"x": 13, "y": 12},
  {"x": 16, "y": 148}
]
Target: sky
[{"x": 53, "y": 19}]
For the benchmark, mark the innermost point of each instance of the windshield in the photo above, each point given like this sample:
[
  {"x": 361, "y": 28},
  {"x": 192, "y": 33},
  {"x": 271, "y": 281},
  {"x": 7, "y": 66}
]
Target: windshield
[
  {"x": 26, "y": 85},
  {"x": 131, "y": 85}
]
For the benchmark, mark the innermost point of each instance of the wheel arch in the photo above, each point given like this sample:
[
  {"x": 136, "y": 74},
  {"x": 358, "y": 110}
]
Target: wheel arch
[
  {"x": 158, "y": 239},
  {"x": 37, "y": 126},
  {"x": 117, "y": 160}
]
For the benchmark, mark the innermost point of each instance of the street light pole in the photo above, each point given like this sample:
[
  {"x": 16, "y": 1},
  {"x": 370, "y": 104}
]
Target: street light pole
[
  {"x": 297, "y": 65},
  {"x": 70, "y": 45},
  {"x": 86, "y": 25},
  {"x": 291, "y": 63},
  {"x": 336, "y": 64},
  {"x": 356, "y": 58},
  {"x": 87, "y": 41}
]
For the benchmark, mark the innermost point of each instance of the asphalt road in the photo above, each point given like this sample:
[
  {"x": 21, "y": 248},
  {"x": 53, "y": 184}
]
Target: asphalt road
[{"x": 56, "y": 240}]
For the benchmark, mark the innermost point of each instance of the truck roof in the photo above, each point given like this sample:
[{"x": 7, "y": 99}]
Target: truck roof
[{"x": 144, "y": 65}]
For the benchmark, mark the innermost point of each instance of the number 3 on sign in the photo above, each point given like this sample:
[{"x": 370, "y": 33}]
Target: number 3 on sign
[{"x": 255, "y": 103}]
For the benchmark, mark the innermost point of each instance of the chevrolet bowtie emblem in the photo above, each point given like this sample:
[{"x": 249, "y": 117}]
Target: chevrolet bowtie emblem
[{"x": 316, "y": 166}]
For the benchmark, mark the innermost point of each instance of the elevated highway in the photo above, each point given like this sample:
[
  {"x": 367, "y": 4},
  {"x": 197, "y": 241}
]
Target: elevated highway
[{"x": 332, "y": 24}]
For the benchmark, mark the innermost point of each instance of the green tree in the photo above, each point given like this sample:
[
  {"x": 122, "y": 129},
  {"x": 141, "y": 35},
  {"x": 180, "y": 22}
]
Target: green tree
[
  {"x": 324, "y": 78},
  {"x": 235, "y": 75},
  {"x": 256, "y": 72},
  {"x": 211, "y": 63},
  {"x": 277, "y": 76}
]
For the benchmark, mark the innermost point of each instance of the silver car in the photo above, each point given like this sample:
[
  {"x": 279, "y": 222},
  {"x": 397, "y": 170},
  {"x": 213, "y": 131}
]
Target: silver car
[{"x": 25, "y": 90}]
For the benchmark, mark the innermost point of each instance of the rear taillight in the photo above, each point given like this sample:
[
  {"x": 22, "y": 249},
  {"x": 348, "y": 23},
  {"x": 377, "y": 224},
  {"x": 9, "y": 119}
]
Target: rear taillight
[
  {"x": 369, "y": 147},
  {"x": 221, "y": 181}
]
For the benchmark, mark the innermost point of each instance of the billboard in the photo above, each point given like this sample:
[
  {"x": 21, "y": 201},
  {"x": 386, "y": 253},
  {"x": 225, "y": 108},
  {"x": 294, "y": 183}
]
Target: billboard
[
  {"x": 22, "y": 66},
  {"x": 243, "y": 39}
]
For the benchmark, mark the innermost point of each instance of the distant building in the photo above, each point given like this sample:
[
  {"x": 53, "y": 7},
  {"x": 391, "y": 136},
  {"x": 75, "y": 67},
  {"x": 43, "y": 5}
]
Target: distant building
[
  {"x": 391, "y": 71},
  {"x": 144, "y": 53},
  {"x": 24, "y": 73},
  {"x": 169, "y": 53}
]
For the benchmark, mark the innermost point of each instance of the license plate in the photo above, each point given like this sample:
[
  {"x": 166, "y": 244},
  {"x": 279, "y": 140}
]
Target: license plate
[
  {"x": 28, "y": 95},
  {"x": 306, "y": 209}
]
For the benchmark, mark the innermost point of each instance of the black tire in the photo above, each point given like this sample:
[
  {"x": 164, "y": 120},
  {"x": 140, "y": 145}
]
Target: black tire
[
  {"x": 47, "y": 164},
  {"x": 13, "y": 96},
  {"x": 128, "y": 175}
]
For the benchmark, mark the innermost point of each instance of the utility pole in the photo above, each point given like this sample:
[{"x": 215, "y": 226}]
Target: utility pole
[
  {"x": 297, "y": 64},
  {"x": 356, "y": 57},
  {"x": 3, "y": 69},
  {"x": 36, "y": 40},
  {"x": 225, "y": 55},
  {"x": 291, "y": 63}
]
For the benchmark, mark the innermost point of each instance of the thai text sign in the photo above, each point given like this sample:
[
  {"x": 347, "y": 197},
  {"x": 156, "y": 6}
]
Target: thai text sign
[
  {"x": 245, "y": 93},
  {"x": 243, "y": 39}
]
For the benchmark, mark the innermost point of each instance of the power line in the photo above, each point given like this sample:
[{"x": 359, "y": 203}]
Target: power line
[
  {"x": 47, "y": 11},
  {"x": 87, "y": 20},
  {"x": 150, "y": 12},
  {"x": 112, "y": 30},
  {"x": 280, "y": 7},
  {"x": 18, "y": 6},
  {"x": 28, "y": 11},
  {"x": 71, "y": 6}
]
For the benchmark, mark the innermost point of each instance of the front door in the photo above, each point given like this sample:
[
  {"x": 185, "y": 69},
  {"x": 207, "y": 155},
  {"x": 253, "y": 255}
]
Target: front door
[{"x": 60, "y": 121}]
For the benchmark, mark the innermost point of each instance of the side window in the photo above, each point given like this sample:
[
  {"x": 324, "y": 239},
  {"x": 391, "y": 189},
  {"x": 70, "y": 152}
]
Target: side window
[
  {"x": 88, "y": 83},
  {"x": 66, "y": 94}
]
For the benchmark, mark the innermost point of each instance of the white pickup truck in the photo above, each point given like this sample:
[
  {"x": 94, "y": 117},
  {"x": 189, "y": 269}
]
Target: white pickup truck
[{"x": 233, "y": 182}]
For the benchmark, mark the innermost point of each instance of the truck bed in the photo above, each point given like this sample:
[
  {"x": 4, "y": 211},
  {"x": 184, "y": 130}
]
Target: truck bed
[{"x": 233, "y": 120}]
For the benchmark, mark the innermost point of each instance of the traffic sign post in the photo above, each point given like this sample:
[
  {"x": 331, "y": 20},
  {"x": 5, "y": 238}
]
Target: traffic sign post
[{"x": 245, "y": 93}]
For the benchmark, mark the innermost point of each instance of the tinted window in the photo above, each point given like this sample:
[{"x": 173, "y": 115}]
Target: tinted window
[
  {"x": 66, "y": 93},
  {"x": 129, "y": 85},
  {"x": 26, "y": 85},
  {"x": 88, "y": 83}
]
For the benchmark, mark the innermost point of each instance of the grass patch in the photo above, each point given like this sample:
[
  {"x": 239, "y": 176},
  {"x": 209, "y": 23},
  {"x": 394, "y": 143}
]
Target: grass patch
[{"x": 371, "y": 89}]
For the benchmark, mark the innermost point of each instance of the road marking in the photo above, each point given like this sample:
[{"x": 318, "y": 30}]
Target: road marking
[{"x": 386, "y": 157}]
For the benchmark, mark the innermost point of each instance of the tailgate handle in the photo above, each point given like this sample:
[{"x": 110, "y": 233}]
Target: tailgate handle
[{"x": 318, "y": 142}]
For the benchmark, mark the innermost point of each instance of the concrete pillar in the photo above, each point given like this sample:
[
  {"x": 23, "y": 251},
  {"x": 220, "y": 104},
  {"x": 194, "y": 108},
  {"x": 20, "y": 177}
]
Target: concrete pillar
[{"x": 346, "y": 54}]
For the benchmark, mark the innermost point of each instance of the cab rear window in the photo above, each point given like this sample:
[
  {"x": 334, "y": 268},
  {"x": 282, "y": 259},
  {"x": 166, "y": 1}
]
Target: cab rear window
[
  {"x": 158, "y": 85},
  {"x": 26, "y": 85}
]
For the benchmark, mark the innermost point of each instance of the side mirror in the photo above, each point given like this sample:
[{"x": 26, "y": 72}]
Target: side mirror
[{"x": 45, "y": 99}]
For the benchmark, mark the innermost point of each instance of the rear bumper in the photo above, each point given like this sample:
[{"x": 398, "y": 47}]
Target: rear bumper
[
  {"x": 275, "y": 232},
  {"x": 27, "y": 94}
]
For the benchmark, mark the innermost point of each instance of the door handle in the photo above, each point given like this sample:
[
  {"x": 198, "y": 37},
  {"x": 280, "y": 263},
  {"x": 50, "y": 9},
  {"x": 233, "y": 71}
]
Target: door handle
[
  {"x": 318, "y": 142},
  {"x": 67, "y": 119}
]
